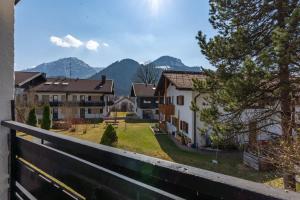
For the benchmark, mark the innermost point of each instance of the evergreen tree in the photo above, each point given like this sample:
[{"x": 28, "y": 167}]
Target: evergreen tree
[
  {"x": 46, "y": 121},
  {"x": 31, "y": 120},
  {"x": 256, "y": 56},
  {"x": 109, "y": 136}
]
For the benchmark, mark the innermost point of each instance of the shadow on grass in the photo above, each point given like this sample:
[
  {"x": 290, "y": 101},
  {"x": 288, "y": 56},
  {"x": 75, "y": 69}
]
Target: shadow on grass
[{"x": 229, "y": 163}]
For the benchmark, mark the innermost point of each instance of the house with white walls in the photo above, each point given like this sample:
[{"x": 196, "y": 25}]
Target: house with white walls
[
  {"x": 175, "y": 91},
  {"x": 123, "y": 104},
  {"x": 73, "y": 98}
]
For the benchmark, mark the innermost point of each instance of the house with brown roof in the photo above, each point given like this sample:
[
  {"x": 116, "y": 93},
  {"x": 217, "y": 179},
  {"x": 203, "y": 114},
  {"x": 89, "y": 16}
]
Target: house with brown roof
[
  {"x": 175, "y": 91},
  {"x": 73, "y": 98},
  {"x": 27, "y": 80},
  {"x": 145, "y": 103}
]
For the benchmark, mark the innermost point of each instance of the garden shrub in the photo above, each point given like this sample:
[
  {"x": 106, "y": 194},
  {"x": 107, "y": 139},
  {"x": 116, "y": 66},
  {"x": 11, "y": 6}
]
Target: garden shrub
[
  {"x": 31, "y": 120},
  {"x": 46, "y": 121},
  {"x": 109, "y": 137}
]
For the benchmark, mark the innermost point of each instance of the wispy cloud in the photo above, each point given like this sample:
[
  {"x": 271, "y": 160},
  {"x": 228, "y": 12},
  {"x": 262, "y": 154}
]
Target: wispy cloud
[
  {"x": 105, "y": 44},
  {"x": 67, "y": 41},
  {"x": 70, "y": 41}
]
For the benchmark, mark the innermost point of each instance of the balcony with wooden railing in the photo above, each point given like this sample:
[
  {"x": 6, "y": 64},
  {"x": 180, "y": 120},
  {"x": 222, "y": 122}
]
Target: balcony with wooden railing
[
  {"x": 166, "y": 109},
  {"x": 63, "y": 167}
]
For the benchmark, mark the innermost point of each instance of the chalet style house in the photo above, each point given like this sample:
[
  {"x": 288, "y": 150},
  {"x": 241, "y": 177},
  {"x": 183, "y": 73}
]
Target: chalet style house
[
  {"x": 145, "y": 103},
  {"x": 174, "y": 90},
  {"x": 75, "y": 169},
  {"x": 26, "y": 80},
  {"x": 75, "y": 98}
]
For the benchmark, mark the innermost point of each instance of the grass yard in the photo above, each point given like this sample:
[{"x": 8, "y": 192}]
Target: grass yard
[{"x": 137, "y": 137}]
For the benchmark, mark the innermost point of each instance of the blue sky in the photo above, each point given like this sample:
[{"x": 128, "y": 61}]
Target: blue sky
[{"x": 101, "y": 32}]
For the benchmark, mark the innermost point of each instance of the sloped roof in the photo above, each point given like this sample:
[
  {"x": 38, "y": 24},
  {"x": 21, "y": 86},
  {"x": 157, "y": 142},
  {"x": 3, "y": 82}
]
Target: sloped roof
[
  {"x": 142, "y": 90},
  {"x": 182, "y": 80},
  {"x": 23, "y": 77},
  {"x": 75, "y": 85}
]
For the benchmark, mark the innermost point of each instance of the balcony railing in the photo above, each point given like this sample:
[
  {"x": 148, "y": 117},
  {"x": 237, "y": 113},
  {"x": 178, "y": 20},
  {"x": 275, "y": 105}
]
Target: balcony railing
[
  {"x": 74, "y": 103},
  {"x": 166, "y": 109},
  {"x": 92, "y": 103},
  {"x": 68, "y": 168}
]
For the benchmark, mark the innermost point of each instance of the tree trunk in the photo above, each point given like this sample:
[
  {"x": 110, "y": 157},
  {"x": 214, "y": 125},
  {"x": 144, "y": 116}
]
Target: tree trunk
[{"x": 285, "y": 92}]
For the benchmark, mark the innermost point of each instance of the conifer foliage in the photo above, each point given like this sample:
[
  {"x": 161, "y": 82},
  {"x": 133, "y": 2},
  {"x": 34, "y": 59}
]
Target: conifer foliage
[
  {"x": 256, "y": 54},
  {"x": 31, "y": 120},
  {"x": 109, "y": 137},
  {"x": 46, "y": 121}
]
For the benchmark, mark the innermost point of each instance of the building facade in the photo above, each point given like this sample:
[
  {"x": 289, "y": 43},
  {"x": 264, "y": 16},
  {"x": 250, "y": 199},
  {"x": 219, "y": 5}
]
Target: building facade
[
  {"x": 145, "y": 103},
  {"x": 67, "y": 98},
  {"x": 175, "y": 91}
]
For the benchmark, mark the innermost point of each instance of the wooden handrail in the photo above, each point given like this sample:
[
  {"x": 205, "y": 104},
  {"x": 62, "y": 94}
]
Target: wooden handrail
[{"x": 181, "y": 180}]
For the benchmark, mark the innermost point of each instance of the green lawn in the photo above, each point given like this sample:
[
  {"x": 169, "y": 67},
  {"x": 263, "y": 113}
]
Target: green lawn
[{"x": 137, "y": 137}]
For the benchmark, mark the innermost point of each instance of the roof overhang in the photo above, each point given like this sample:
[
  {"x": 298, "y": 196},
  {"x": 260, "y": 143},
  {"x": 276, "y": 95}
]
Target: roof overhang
[
  {"x": 17, "y": 1},
  {"x": 29, "y": 79}
]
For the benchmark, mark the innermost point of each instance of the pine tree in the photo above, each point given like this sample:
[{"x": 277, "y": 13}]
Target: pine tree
[
  {"x": 46, "y": 121},
  {"x": 256, "y": 56},
  {"x": 109, "y": 136},
  {"x": 31, "y": 120}
]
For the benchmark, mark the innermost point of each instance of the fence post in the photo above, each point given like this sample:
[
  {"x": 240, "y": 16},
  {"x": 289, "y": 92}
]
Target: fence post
[
  {"x": 6, "y": 87},
  {"x": 12, "y": 156}
]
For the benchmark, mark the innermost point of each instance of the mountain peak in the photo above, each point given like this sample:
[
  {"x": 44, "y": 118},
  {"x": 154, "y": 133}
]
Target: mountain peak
[
  {"x": 70, "y": 66},
  {"x": 168, "y": 61}
]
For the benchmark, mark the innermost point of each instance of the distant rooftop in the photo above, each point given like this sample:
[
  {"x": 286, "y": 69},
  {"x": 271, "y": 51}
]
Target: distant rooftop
[
  {"x": 142, "y": 90},
  {"x": 182, "y": 80},
  {"x": 23, "y": 77},
  {"x": 76, "y": 85}
]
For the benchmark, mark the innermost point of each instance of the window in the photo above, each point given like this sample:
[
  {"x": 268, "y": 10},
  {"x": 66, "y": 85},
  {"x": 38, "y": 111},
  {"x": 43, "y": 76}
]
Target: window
[
  {"x": 89, "y": 98},
  {"x": 55, "y": 98},
  {"x": 180, "y": 100},
  {"x": 184, "y": 126},
  {"x": 168, "y": 100},
  {"x": 74, "y": 98},
  {"x": 82, "y": 98},
  {"x": 101, "y": 110},
  {"x": 156, "y": 112},
  {"x": 45, "y": 98},
  {"x": 89, "y": 111}
]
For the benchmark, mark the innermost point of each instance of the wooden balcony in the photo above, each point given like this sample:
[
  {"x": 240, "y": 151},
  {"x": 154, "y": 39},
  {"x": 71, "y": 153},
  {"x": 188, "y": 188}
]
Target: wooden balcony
[
  {"x": 166, "y": 109},
  {"x": 67, "y": 168}
]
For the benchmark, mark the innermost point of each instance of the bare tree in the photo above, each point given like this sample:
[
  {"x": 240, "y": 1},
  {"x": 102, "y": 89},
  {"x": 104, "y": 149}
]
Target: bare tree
[
  {"x": 69, "y": 112},
  {"x": 148, "y": 74},
  {"x": 285, "y": 156},
  {"x": 24, "y": 102}
]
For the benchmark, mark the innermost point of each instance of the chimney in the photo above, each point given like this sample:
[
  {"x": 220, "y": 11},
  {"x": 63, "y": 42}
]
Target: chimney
[{"x": 103, "y": 79}]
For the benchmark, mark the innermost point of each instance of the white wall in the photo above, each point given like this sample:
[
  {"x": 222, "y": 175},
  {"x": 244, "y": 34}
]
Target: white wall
[
  {"x": 201, "y": 104},
  {"x": 182, "y": 112},
  {"x": 6, "y": 85}
]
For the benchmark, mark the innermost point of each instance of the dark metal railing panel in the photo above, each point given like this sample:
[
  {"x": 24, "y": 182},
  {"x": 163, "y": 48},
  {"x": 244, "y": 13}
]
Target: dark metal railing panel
[
  {"x": 181, "y": 180},
  {"x": 88, "y": 179},
  {"x": 39, "y": 186}
]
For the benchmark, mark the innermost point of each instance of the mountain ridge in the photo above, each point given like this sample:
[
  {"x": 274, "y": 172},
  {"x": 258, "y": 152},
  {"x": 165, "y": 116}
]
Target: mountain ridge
[{"x": 123, "y": 72}]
